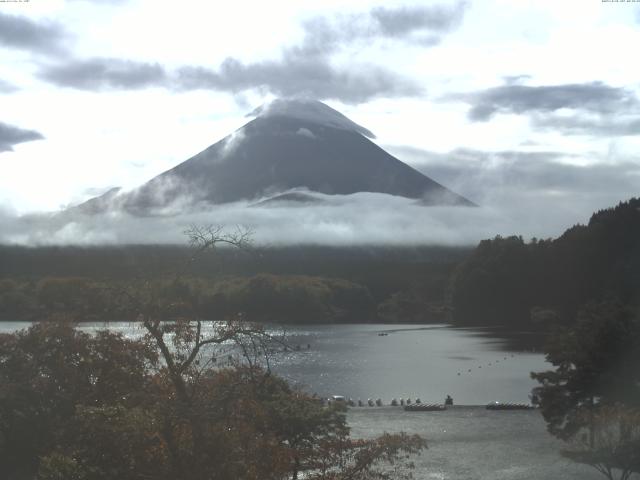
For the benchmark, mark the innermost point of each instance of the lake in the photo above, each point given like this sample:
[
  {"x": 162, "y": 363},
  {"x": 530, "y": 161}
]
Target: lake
[
  {"x": 392, "y": 361},
  {"x": 472, "y": 443},
  {"x": 408, "y": 361},
  {"x": 466, "y": 442}
]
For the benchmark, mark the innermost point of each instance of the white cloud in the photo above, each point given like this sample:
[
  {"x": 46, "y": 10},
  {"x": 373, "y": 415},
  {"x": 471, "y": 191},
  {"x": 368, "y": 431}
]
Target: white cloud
[
  {"x": 364, "y": 219},
  {"x": 99, "y": 140}
]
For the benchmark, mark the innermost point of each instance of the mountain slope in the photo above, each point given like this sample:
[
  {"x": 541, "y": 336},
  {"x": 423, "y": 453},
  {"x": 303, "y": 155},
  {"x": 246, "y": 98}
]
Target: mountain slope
[{"x": 292, "y": 144}]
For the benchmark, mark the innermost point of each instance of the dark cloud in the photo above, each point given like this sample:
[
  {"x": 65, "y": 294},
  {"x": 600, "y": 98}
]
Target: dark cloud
[
  {"x": 404, "y": 21},
  {"x": 532, "y": 193},
  {"x": 104, "y": 74},
  {"x": 306, "y": 69},
  {"x": 294, "y": 75},
  {"x": 25, "y": 34},
  {"x": 494, "y": 177},
  {"x": 593, "y": 109},
  {"x": 515, "y": 79},
  {"x": 6, "y": 87},
  {"x": 595, "y": 97},
  {"x": 596, "y": 126},
  {"x": 421, "y": 25},
  {"x": 10, "y": 136}
]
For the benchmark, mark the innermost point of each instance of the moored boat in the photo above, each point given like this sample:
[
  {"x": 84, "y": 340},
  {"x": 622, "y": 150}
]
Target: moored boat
[
  {"x": 509, "y": 406},
  {"x": 425, "y": 407}
]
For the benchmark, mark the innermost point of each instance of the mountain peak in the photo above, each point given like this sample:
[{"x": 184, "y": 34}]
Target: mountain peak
[
  {"x": 310, "y": 111},
  {"x": 292, "y": 145}
]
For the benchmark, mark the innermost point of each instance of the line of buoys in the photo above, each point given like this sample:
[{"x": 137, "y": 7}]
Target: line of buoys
[{"x": 490, "y": 364}]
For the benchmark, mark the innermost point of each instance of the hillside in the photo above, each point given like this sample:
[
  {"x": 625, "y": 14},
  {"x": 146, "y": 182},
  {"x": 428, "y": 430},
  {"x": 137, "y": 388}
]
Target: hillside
[{"x": 510, "y": 282}]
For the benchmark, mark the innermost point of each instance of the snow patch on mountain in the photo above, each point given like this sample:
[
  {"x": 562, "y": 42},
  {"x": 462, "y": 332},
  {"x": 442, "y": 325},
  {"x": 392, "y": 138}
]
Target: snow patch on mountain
[
  {"x": 233, "y": 141},
  {"x": 305, "y": 132},
  {"x": 309, "y": 111}
]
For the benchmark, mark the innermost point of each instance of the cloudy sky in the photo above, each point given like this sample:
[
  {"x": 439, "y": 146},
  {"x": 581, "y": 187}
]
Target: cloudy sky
[{"x": 530, "y": 108}]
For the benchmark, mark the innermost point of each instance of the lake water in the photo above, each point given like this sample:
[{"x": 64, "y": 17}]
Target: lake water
[
  {"x": 408, "y": 361},
  {"x": 472, "y": 443},
  {"x": 466, "y": 442}
]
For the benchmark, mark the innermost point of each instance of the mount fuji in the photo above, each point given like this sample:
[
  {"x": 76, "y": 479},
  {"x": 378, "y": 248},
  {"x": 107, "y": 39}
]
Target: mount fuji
[{"x": 289, "y": 151}]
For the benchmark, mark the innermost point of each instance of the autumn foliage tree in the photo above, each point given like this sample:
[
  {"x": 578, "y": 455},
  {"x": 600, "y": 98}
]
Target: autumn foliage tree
[
  {"x": 164, "y": 405},
  {"x": 610, "y": 442},
  {"x": 79, "y": 406},
  {"x": 592, "y": 398}
]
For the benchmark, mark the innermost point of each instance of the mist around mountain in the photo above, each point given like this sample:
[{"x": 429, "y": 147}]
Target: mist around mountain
[
  {"x": 290, "y": 146},
  {"x": 397, "y": 205}
]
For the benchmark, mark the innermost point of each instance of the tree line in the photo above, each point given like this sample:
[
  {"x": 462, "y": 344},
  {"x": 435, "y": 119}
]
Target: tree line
[
  {"x": 508, "y": 281},
  {"x": 263, "y": 297},
  {"x": 294, "y": 284}
]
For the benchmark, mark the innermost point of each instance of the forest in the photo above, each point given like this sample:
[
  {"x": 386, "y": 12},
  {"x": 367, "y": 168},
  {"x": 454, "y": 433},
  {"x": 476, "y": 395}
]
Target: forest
[
  {"x": 293, "y": 284},
  {"x": 536, "y": 284},
  {"x": 505, "y": 281},
  {"x": 94, "y": 407}
]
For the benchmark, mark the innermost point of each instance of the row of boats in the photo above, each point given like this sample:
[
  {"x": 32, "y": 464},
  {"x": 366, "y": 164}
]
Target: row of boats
[
  {"x": 509, "y": 406},
  {"x": 373, "y": 403},
  {"x": 418, "y": 406}
]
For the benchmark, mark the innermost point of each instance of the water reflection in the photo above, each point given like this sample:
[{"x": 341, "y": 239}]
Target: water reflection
[
  {"x": 474, "y": 366},
  {"x": 427, "y": 362}
]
